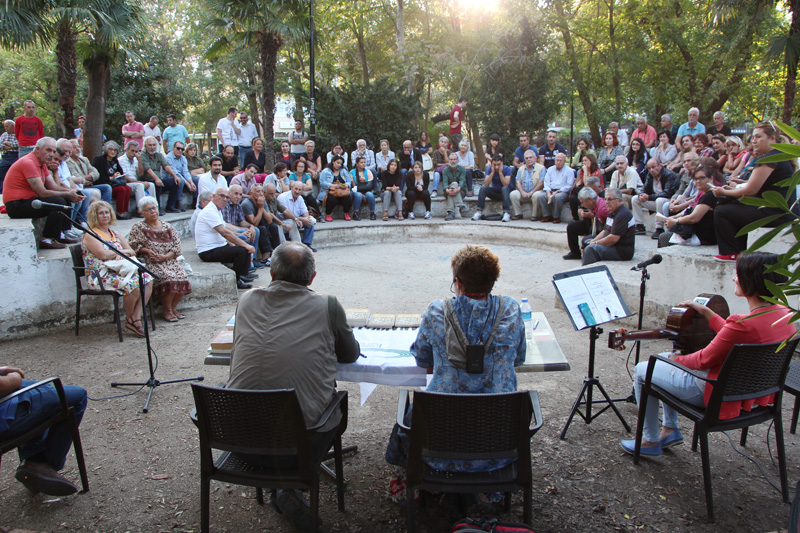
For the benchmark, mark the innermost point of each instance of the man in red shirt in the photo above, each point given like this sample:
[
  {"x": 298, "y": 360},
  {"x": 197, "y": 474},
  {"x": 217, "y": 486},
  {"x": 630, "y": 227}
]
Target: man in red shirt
[
  {"x": 27, "y": 180},
  {"x": 456, "y": 115},
  {"x": 28, "y": 129},
  {"x": 133, "y": 130}
]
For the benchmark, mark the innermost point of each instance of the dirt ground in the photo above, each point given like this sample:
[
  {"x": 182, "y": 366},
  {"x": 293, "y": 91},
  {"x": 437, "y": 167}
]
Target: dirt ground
[{"x": 144, "y": 468}]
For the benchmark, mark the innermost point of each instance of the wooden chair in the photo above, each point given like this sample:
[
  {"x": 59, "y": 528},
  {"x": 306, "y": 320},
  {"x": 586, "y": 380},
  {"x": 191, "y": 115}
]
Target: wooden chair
[
  {"x": 750, "y": 371},
  {"x": 265, "y": 423},
  {"x": 470, "y": 427},
  {"x": 81, "y": 271},
  {"x": 66, "y": 413}
]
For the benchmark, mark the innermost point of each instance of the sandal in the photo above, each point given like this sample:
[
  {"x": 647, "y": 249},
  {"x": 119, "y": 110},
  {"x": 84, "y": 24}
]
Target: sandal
[
  {"x": 137, "y": 330},
  {"x": 169, "y": 316},
  {"x": 385, "y": 216},
  {"x": 178, "y": 315}
]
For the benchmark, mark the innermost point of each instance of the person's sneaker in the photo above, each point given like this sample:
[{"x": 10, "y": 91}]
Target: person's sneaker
[
  {"x": 51, "y": 244},
  {"x": 410, "y": 215},
  {"x": 125, "y": 216},
  {"x": 427, "y": 215},
  {"x": 629, "y": 446},
  {"x": 292, "y": 504},
  {"x": 640, "y": 229},
  {"x": 328, "y": 218},
  {"x": 450, "y": 216},
  {"x": 516, "y": 217},
  {"x": 161, "y": 212},
  {"x": 241, "y": 284},
  {"x": 506, "y": 217},
  {"x": 268, "y": 262},
  {"x": 372, "y": 216},
  {"x": 477, "y": 216},
  {"x": 434, "y": 194},
  {"x": 657, "y": 233},
  {"x": 464, "y": 210},
  {"x": 547, "y": 219},
  {"x": 571, "y": 256},
  {"x": 72, "y": 235},
  {"x": 183, "y": 209},
  {"x": 66, "y": 238},
  {"x": 311, "y": 247},
  {"x": 40, "y": 477},
  {"x": 731, "y": 258},
  {"x": 173, "y": 210},
  {"x": 356, "y": 216},
  {"x": 346, "y": 216}
]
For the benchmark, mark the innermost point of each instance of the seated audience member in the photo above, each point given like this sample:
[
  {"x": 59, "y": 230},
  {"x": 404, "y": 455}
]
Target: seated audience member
[
  {"x": 529, "y": 181},
  {"x": 80, "y": 166},
  {"x": 618, "y": 238},
  {"x": 698, "y": 218},
  {"x": 557, "y": 185},
  {"x": 497, "y": 185},
  {"x": 719, "y": 127},
  {"x": 692, "y": 127},
  {"x": 109, "y": 171},
  {"x": 440, "y": 158},
  {"x": 202, "y": 200},
  {"x": 644, "y": 132},
  {"x": 607, "y": 156},
  {"x": 40, "y": 458},
  {"x": 216, "y": 243},
  {"x": 592, "y": 217},
  {"x": 660, "y": 186},
  {"x": 155, "y": 166},
  {"x": 230, "y": 163},
  {"x": 466, "y": 159},
  {"x": 493, "y": 148},
  {"x": 664, "y": 151},
  {"x": 180, "y": 178},
  {"x": 29, "y": 179},
  {"x": 638, "y": 156},
  {"x": 131, "y": 164},
  {"x": 157, "y": 243},
  {"x": 718, "y": 144},
  {"x": 524, "y": 146},
  {"x": 626, "y": 179},
  {"x": 296, "y": 214},
  {"x": 729, "y": 218},
  {"x": 289, "y": 337},
  {"x": 408, "y": 156},
  {"x": 362, "y": 151},
  {"x": 363, "y": 187},
  {"x": 685, "y": 195},
  {"x": 313, "y": 161},
  {"x": 737, "y": 158},
  {"x": 383, "y": 157},
  {"x": 666, "y": 124},
  {"x": 582, "y": 149},
  {"x": 95, "y": 254},
  {"x": 621, "y": 133},
  {"x": 62, "y": 176},
  {"x": 246, "y": 179},
  {"x": 213, "y": 179},
  {"x": 423, "y": 143},
  {"x": 701, "y": 147},
  {"x": 588, "y": 169},
  {"x": 194, "y": 162},
  {"x": 686, "y": 148},
  {"x": 392, "y": 181},
  {"x": 417, "y": 182},
  {"x": 455, "y": 178},
  {"x": 335, "y": 184},
  {"x": 284, "y": 156},
  {"x": 257, "y": 157},
  {"x": 338, "y": 149},
  {"x": 548, "y": 151},
  {"x": 304, "y": 177},
  {"x": 764, "y": 323},
  {"x": 486, "y": 319},
  {"x": 256, "y": 212},
  {"x": 9, "y": 146},
  {"x": 233, "y": 215},
  {"x": 279, "y": 177}
]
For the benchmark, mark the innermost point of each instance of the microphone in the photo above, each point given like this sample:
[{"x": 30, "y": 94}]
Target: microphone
[
  {"x": 656, "y": 259},
  {"x": 38, "y": 204}
]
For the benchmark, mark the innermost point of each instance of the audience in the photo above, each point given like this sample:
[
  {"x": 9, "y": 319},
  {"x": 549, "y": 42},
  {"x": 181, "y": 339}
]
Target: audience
[
  {"x": 110, "y": 173},
  {"x": 423, "y": 144},
  {"x": 335, "y": 184},
  {"x": 626, "y": 179},
  {"x": 313, "y": 160},
  {"x": 363, "y": 187},
  {"x": 497, "y": 185},
  {"x": 686, "y": 148},
  {"x": 557, "y": 185},
  {"x": 284, "y": 156},
  {"x": 548, "y": 151},
  {"x": 660, "y": 186},
  {"x": 233, "y": 216},
  {"x": 524, "y": 146},
  {"x": 665, "y": 152},
  {"x": 440, "y": 159},
  {"x": 304, "y": 177},
  {"x": 256, "y": 212},
  {"x": 588, "y": 170},
  {"x": 193, "y": 161},
  {"x": 131, "y": 164},
  {"x": 592, "y": 217},
  {"x": 297, "y": 213},
  {"x": 213, "y": 179},
  {"x": 256, "y": 156},
  {"x": 493, "y": 148},
  {"x": 417, "y": 183},
  {"x": 177, "y": 163},
  {"x": 455, "y": 176},
  {"x": 644, "y": 132},
  {"x": 638, "y": 156},
  {"x": 338, "y": 149},
  {"x": 385, "y": 155},
  {"x": 392, "y": 181},
  {"x": 737, "y": 156},
  {"x": 607, "y": 156},
  {"x": 582, "y": 149},
  {"x": 529, "y": 181},
  {"x": 692, "y": 127},
  {"x": 466, "y": 159},
  {"x": 362, "y": 151},
  {"x": 698, "y": 218},
  {"x": 246, "y": 179},
  {"x": 617, "y": 240}
]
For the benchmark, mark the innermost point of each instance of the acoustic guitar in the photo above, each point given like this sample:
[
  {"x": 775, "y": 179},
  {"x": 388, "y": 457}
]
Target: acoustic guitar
[{"x": 686, "y": 328}]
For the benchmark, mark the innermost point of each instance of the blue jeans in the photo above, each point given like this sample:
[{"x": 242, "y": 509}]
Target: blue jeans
[
  {"x": 254, "y": 242},
  {"x": 494, "y": 194},
  {"x": 675, "y": 381},
  {"x": 437, "y": 177},
  {"x": 175, "y": 198},
  {"x": 105, "y": 191},
  {"x": 359, "y": 197},
  {"x": 80, "y": 209},
  {"x": 35, "y": 407}
]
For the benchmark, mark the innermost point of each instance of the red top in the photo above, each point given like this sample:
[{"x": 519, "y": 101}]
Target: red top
[
  {"x": 455, "y": 119},
  {"x": 28, "y": 130},
  {"x": 129, "y": 128},
  {"x": 766, "y": 328},
  {"x": 16, "y": 186}
]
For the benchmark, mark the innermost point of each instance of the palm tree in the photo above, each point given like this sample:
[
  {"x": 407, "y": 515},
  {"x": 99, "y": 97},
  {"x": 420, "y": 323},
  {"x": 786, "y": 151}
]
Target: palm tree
[{"x": 260, "y": 26}]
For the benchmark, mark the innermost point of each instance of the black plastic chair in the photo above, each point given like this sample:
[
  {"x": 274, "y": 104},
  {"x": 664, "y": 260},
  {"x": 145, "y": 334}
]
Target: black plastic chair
[
  {"x": 792, "y": 386},
  {"x": 66, "y": 413},
  {"x": 750, "y": 371},
  {"x": 265, "y": 423},
  {"x": 81, "y": 271},
  {"x": 470, "y": 427}
]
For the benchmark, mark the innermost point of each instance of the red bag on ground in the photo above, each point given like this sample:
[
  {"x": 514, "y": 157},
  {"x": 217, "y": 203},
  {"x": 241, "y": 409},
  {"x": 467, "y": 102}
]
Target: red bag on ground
[{"x": 481, "y": 525}]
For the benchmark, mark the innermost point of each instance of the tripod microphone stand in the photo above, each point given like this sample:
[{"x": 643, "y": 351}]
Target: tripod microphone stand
[
  {"x": 642, "y": 290},
  {"x": 151, "y": 382}
]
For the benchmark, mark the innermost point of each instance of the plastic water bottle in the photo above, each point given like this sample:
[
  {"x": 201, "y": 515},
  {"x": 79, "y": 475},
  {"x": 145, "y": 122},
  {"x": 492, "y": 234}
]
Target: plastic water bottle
[{"x": 527, "y": 318}]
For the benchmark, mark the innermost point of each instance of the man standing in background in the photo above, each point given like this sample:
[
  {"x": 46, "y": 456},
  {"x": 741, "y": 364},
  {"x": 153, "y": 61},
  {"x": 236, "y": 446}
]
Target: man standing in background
[
  {"x": 28, "y": 129},
  {"x": 456, "y": 117}
]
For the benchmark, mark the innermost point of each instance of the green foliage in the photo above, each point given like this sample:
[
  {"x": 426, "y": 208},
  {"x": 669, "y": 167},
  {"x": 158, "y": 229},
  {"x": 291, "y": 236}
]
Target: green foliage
[{"x": 380, "y": 110}]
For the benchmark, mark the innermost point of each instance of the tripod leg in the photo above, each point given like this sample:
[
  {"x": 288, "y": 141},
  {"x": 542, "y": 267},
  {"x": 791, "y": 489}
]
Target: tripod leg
[
  {"x": 152, "y": 384},
  {"x": 614, "y": 407},
  {"x": 575, "y": 408}
]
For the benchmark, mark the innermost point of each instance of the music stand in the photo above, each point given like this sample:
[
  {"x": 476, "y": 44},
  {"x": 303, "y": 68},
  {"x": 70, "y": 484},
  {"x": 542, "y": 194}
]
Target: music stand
[
  {"x": 591, "y": 297},
  {"x": 152, "y": 382}
]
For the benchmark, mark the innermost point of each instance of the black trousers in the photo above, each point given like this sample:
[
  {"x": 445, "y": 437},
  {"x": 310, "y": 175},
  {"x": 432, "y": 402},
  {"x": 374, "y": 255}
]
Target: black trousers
[
  {"x": 54, "y": 224},
  {"x": 311, "y": 202},
  {"x": 413, "y": 194},
  {"x": 575, "y": 229},
  {"x": 269, "y": 238},
  {"x": 228, "y": 254},
  {"x": 332, "y": 201},
  {"x": 730, "y": 218}
]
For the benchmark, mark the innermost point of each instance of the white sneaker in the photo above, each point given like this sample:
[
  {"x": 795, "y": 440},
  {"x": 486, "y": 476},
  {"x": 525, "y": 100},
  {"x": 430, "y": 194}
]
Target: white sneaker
[
  {"x": 477, "y": 215},
  {"x": 427, "y": 215},
  {"x": 434, "y": 194},
  {"x": 410, "y": 215},
  {"x": 506, "y": 217}
]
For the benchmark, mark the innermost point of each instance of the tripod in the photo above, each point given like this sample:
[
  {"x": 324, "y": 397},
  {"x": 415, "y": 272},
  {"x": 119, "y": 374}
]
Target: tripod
[
  {"x": 589, "y": 382},
  {"x": 152, "y": 382},
  {"x": 642, "y": 290}
]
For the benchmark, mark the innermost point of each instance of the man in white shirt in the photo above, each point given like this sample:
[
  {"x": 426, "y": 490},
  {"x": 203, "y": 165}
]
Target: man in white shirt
[
  {"x": 216, "y": 243},
  {"x": 151, "y": 129},
  {"x": 622, "y": 135},
  {"x": 294, "y": 202},
  {"x": 131, "y": 164},
  {"x": 626, "y": 179},
  {"x": 228, "y": 131},
  {"x": 212, "y": 179},
  {"x": 557, "y": 185},
  {"x": 529, "y": 181},
  {"x": 247, "y": 132}
]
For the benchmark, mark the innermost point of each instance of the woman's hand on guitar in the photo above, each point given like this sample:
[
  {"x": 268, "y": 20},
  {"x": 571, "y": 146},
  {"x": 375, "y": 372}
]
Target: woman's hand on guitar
[{"x": 700, "y": 308}]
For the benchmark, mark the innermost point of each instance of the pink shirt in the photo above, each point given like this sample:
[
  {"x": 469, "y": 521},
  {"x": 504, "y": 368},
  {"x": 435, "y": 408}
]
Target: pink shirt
[
  {"x": 648, "y": 137},
  {"x": 136, "y": 126}
]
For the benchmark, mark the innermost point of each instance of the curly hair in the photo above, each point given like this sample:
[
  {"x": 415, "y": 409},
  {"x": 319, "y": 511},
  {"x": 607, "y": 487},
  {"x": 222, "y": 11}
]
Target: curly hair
[{"x": 476, "y": 267}]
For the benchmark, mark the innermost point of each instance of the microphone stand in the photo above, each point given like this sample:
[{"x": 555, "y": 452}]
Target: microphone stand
[
  {"x": 151, "y": 382},
  {"x": 642, "y": 290}
]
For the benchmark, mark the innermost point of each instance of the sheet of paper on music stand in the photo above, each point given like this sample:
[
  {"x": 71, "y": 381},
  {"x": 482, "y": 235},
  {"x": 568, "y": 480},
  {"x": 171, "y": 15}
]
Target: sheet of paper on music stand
[{"x": 595, "y": 288}]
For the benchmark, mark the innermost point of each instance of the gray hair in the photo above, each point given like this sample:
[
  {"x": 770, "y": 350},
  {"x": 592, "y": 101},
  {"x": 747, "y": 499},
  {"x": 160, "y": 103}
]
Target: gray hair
[
  {"x": 294, "y": 262},
  {"x": 642, "y": 117},
  {"x": 693, "y": 109},
  {"x": 132, "y": 143},
  {"x": 529, "y": 152},
  {"x": 149, "y": 200},
  {"x": 616, "y": 159},
  {"x": 44, "y": 140},
  {"x": 361, "y": 141},
  {"x": 593, "y": 181},
  {"x": 720, "y": 113},
  {"x": 62, "y": 141},
  {"x": 7, "y": 121},
  {"x": 204, "y": 196},
  {"x": 587, "y": 194},
  {"x": 464, "y": 141},
  {"x": 667, "y": 116},
  {"x": 616, "y": 193},
  {"x": 150, "y": 138},
  {"x": 111, "y": 144}
]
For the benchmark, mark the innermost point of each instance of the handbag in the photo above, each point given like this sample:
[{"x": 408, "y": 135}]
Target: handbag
[
  {"x": 338, "y": 190},
  {"x": 117, "y": 182}
]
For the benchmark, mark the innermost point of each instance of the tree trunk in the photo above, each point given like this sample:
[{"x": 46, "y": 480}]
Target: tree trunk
[
  {"x": 614, "y": 63},
  {"x": 789, "y": 86},
  {"x": 66, "y": 59},
  {"x": 362, "y": 53},
  {"x": 270, "y": 45},
  {"x": 98, "y": 72},
  {"x": 252, "y": 100}
]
